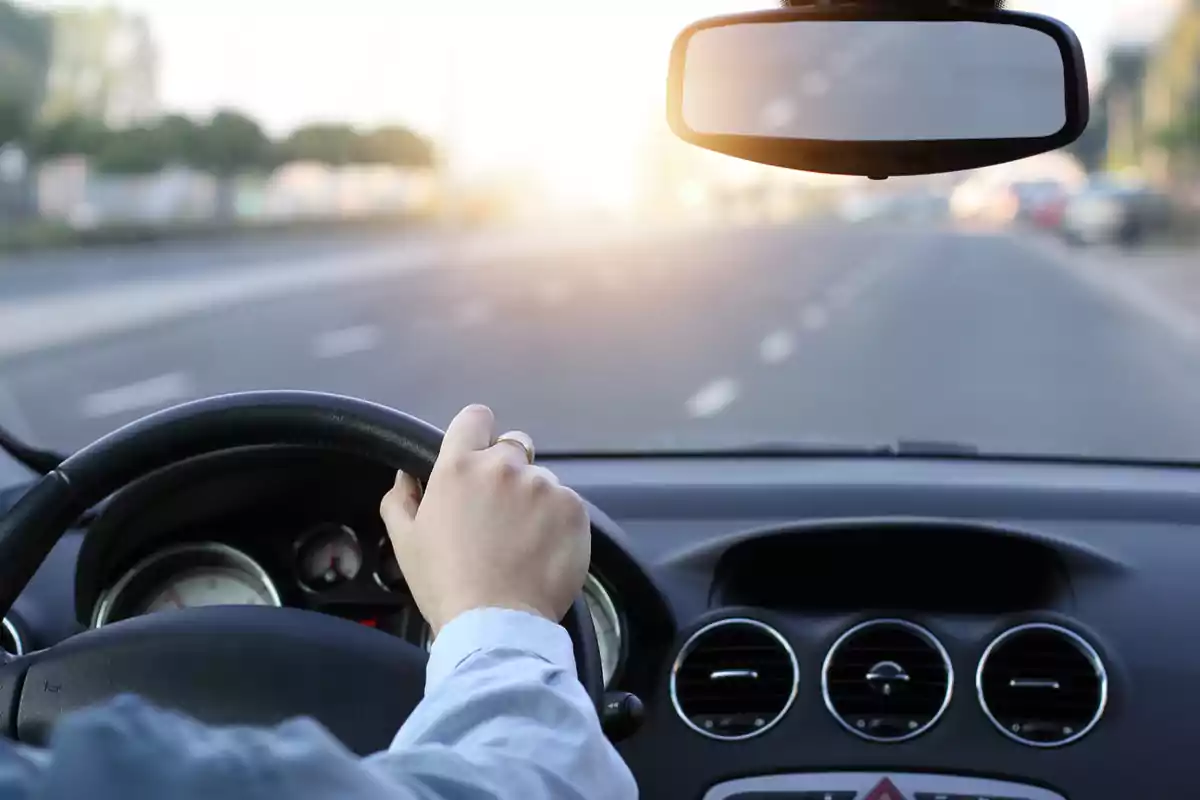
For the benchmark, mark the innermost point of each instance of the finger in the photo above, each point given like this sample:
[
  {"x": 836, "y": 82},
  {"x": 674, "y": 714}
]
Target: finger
[
  {"x": 470, "y": 430},
  {"x": 514, "y": 446},
  {"x": 400, "y": 504},
  {"x": 546, "y": 475}
]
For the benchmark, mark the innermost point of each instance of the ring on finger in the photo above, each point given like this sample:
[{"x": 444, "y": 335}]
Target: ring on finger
[{"x": 526, "y": 448}]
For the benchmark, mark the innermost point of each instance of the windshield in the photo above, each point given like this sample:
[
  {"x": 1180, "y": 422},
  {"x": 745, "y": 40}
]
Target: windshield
[{"x": 428, "y": 204}]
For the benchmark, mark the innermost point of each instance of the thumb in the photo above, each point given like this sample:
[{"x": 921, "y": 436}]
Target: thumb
[{"x": 399, "y": 506}]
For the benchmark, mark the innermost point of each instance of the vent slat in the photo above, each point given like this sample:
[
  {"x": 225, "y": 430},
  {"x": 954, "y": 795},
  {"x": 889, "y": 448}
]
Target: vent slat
[
  {"x": 1035, "y": 716},
  {"x": 906, "y": 709},
  {"x": 734, "y": 708}
]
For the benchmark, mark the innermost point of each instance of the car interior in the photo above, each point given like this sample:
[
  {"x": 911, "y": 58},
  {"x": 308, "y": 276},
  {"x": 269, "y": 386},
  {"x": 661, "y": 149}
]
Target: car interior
[{"x": 913, "y": 622}]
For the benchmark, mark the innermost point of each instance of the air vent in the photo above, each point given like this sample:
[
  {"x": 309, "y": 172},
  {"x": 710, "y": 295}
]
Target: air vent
[
  {"x": 734, "y": 679},
  {"x": 1042, "y": 685},
  {"x": 887, "y": 680},
  {"x": 10, "y": 639}
]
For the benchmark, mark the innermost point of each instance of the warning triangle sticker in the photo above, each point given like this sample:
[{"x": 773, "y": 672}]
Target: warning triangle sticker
[{"x": 885, "y": 790}]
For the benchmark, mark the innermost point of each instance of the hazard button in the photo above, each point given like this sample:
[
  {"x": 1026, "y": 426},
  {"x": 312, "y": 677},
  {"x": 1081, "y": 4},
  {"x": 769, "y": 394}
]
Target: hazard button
[{"x": 885, "y": 790}]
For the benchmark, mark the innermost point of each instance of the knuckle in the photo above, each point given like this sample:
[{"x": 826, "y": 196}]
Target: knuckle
[
  {"x": 459, "y": 464},
  {"x": 506, "y": 472},
  {"x": 539, "y": 484},
  {"x": 573, "y": 508}
]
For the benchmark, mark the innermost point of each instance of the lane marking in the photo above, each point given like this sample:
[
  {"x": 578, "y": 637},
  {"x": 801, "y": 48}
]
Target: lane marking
[
  {"x": 346, "y": 341},
  {"x": 814, "y": 318},
  {"x": 713, "y": 398},
  {"x": 777, "y": 347},
  {"x": 150, "y": 393}
]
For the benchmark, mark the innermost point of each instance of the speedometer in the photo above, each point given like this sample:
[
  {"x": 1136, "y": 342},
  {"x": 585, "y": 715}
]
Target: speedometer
[
  {"x": 208, "y": 587},
  {"x": 187, "y": 576}
]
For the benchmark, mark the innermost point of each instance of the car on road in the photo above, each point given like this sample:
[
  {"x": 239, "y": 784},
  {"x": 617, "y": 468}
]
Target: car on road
[
  {"x": 1115, "y": 210},
  {"x": 907, "y": 511}
]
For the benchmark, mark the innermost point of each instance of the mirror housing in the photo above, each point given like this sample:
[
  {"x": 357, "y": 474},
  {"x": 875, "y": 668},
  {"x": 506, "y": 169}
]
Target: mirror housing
[{"x": 935, "y": 66}]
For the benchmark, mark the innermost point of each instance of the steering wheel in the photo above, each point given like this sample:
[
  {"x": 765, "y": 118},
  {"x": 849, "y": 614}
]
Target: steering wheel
[{"x": 228, "y": 665}]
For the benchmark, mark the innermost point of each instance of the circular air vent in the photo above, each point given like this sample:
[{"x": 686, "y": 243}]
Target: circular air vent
[
  {"x": 10, "y": 638},
  {"x": 887, "y": 680},
  {"x": 734, "y": 679},
  {"x": 1042, "y": 685}
]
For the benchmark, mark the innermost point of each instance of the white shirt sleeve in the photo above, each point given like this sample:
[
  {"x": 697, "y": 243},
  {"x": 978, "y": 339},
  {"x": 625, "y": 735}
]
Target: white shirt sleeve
[{"x": 504, "y": 716}]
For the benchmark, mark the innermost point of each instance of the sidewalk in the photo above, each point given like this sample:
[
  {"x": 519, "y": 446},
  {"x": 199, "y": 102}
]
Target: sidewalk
[{"x": 32, "y": 323}]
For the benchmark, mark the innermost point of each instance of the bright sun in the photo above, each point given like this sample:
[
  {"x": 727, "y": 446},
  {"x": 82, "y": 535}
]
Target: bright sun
[{"x": 569, "y": 98}]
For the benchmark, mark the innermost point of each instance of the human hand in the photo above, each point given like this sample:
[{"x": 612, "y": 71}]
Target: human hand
[{"x": 492, "y": 530}]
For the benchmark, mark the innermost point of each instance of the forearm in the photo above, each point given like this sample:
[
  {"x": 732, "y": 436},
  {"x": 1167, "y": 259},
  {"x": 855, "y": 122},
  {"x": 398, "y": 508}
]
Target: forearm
[{"x": 504, "y": 716}]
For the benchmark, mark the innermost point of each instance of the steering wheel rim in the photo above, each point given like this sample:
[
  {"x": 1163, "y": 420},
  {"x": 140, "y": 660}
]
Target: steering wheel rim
[{"x": 330, "y": 422}]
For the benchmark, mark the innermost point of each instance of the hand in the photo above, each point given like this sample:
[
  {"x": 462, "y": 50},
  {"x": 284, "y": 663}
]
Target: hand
[{"x": 492, "y": 530}]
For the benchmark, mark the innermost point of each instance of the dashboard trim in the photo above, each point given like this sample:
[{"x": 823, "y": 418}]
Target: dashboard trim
[
  {"x": 689, "y": 645},
  {"x": 15, "y": 635},
  {"x": 922, "y": 632},
  {"x": 1081, "y": 644},
  {"x": 863, "y": 784},
  {"x": 109, "y": 596}
]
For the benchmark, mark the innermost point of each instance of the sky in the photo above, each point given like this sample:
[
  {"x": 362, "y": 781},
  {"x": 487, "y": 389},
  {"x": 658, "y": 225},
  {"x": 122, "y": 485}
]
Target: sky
[{"x": 568, "y": 87}]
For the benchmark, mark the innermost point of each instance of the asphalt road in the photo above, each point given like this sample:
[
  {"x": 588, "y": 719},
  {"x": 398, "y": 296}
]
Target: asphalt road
[{"x": 859, "y": 335}]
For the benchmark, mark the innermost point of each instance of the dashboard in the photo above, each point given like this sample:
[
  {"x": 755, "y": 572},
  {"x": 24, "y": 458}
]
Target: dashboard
[{"x": 796, "y": 628}]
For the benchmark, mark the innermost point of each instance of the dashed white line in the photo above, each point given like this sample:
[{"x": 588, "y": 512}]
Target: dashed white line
[
  {"x": 777, "y": 347},
  {"x": 814, "y": 318},
  {"x": 346, "y": 341},
  {"x": 713, "y": 398},
  {"x": 150, "y": 393}
]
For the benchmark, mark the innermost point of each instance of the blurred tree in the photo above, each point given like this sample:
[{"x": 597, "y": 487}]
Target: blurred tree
[
  {"x": 14, "y": 120},
  {"x": 133, "y": 151},
  {"x": 24, "y": 62},
  {"x": 181, "y": 141},
  {"x": 1183, "y": 136},
  {"x": 69, "y": 136},
  {"x": 394, "y": 145},
  {"x": 328, "y": 143},
  {"x": 231, "y": 144}
]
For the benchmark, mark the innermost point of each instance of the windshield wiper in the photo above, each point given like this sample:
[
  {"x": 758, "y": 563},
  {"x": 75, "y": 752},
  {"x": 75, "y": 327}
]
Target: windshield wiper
[
  {"x": 38, "y": 460},
  {"x": 902, "y": 447}
]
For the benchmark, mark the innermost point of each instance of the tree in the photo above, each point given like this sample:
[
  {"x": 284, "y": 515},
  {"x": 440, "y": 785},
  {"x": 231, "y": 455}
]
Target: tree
[
  {"x": 69, "y": 136},
  {"x": 133, "y": 151},
  {"x": 394, "y": 145},
  {"x": 14, "y": 122},
  {"x": 328, "y": 143},
  {"x": 232, "y": 144},
  {"x": 181, "y": 141}
]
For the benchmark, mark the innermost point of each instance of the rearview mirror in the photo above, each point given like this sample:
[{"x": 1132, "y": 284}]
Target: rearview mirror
[{"x": 878, "y": 95}]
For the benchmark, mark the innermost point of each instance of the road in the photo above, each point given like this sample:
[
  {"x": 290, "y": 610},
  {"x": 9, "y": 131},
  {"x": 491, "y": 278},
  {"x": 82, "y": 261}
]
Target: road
[{"x": 828, "y": 333}]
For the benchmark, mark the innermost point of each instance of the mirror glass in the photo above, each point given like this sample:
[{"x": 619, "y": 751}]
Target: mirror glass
[{"x": 874, "y": 81}]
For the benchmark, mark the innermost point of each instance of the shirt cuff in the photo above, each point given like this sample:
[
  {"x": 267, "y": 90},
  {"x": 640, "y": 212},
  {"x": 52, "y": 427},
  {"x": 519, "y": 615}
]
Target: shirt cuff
[{"x": 483, "y": 629}]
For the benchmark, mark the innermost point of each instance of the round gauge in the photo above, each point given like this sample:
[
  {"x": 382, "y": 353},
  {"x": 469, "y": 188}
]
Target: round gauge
[
  {"x": 607, "y": 623},
  {"x": 187, "y": 576},
  {"x": 208, "y": 586},
  {"x": 328, "y": 556},
  {"x": 388, "y": 574}
]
